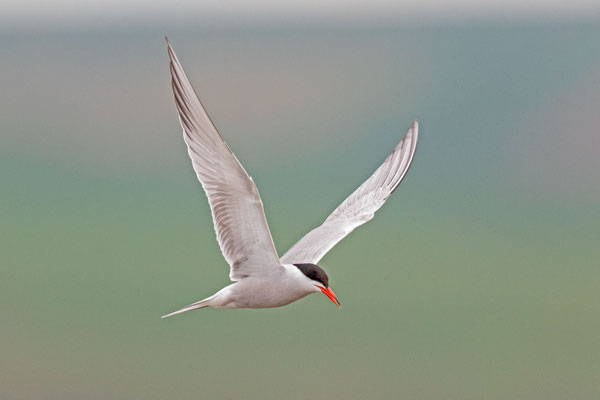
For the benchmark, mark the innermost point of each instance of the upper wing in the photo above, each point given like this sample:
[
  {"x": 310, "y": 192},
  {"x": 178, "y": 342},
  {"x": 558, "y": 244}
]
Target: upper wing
[
  {"x": 359, "y": 207},
  {"x": 237, "y": 210}
]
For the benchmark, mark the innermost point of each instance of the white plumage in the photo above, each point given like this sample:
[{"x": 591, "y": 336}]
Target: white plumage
[
  {"x": 262, "y": 279},
  {"x": 360, "y": 206}
]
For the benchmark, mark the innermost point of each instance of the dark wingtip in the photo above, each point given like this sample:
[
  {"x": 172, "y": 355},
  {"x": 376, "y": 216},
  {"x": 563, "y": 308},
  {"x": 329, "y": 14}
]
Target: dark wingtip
[
  {"x": 169, "y": 48},
  {"x": 172, "y": 56},
  {"x": 415, "y": 126}
]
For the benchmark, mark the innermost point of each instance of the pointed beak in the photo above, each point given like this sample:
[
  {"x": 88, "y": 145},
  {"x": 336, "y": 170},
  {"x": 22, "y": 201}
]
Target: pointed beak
[{"x": 329, "y": 293}]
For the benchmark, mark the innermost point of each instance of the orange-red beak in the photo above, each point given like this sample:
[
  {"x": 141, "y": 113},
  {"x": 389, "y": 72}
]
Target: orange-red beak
[{"x": 329, "y": 293}]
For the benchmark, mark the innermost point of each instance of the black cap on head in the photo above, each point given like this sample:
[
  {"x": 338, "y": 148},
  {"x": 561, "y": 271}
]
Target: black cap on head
[{"x": 314, "y": 272}]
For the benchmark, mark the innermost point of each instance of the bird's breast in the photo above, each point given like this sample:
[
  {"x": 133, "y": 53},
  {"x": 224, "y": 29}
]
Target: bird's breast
[{"x": 266, "y": 293}]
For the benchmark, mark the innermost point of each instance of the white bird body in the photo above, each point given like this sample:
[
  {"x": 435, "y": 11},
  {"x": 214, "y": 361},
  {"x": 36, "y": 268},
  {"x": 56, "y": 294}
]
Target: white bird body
[
  {"x": 281, "y": 287},
  {"x": 261, "y": 278}
]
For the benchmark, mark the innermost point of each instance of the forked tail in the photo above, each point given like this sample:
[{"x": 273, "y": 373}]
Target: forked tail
[{"x": 193, "y": 306}]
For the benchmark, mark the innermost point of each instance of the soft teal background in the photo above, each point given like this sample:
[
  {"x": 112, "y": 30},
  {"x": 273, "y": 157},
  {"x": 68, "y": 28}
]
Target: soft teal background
[{"x": 479, "y": 279}]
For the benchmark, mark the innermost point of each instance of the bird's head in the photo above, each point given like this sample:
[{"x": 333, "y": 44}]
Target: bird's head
[{"x": 319, "y": 280}]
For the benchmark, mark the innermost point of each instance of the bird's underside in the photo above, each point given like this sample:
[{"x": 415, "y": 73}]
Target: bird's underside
[
  {"x": 261, "y": 278},
  {"x": 270, "y": 291}
]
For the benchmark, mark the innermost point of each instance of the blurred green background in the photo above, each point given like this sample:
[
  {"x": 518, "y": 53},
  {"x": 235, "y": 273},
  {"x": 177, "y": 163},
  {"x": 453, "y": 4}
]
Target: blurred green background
[{"x": 478, "y": 279}]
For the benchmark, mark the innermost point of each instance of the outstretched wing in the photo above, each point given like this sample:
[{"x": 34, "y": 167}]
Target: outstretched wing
[
  {"x": 359, "y": 207},
  {"x": 237, "y": 210}
]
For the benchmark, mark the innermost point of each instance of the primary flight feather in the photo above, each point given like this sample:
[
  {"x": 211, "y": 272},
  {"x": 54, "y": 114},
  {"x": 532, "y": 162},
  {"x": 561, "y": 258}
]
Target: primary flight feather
[{"x": 261, "y": 278}]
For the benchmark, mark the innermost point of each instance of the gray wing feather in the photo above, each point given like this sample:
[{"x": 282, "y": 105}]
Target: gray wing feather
[
  {"x": 237, "y": 210},
  {"x": 359, "y": 207}
]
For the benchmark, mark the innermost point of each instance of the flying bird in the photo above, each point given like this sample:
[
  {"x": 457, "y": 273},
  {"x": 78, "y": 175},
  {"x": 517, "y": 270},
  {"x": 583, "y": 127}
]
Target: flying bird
[{"x": 261, "y": 278}]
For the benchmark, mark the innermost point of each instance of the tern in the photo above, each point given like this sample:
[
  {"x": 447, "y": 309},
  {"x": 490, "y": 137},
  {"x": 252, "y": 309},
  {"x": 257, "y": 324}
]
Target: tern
[{"x": 261, "y": 278}]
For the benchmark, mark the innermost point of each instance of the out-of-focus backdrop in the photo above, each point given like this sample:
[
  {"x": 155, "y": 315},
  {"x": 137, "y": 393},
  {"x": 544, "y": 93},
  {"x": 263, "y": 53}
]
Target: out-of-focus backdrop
[{"x": 479, "y": 279}]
